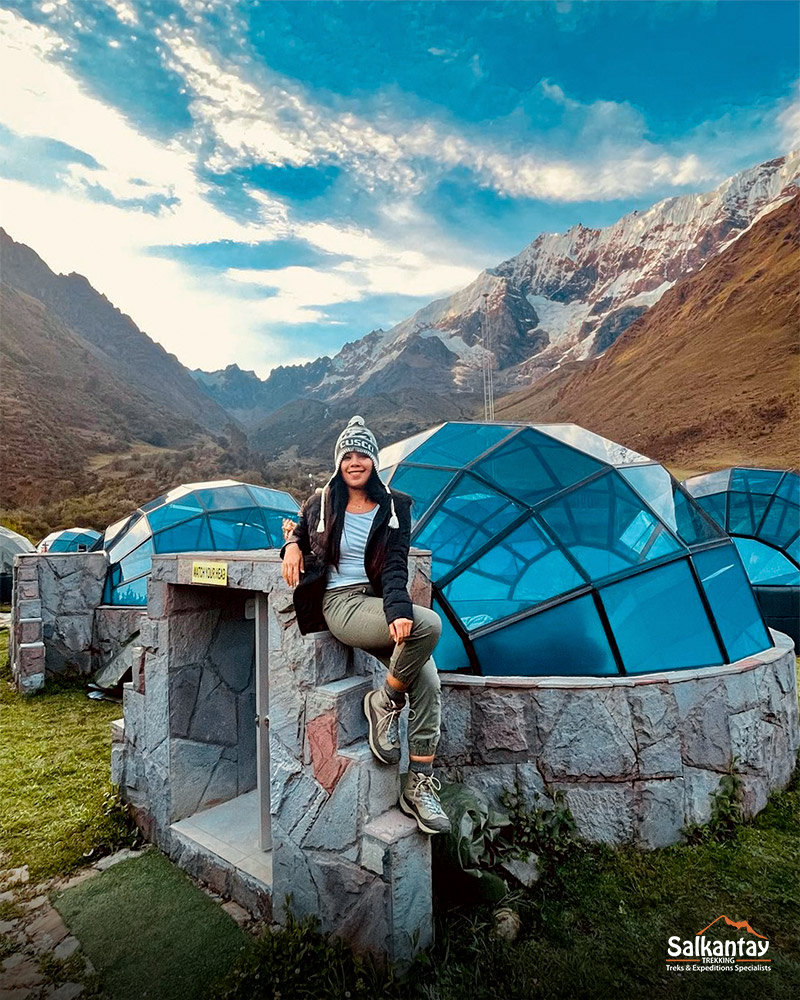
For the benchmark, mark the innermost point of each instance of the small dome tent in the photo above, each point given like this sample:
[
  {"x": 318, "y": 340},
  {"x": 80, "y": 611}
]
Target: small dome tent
[
  {"x": 224, "y": 515},
  {"x": 10, "y": 544},
  {"x": 69, "y": 540},
  {"x": 760, "y": 510}
]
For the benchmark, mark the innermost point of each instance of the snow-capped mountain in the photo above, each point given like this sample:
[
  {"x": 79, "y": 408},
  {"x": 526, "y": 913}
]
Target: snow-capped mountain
[{"x": 566, "y": 296}]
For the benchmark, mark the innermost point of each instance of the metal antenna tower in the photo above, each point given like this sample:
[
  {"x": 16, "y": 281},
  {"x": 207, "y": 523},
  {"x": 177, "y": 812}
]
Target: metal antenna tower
[{"x": 487, "y": 362}]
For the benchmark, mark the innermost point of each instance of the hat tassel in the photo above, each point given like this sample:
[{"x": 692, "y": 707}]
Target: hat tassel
[{"x": 393, "y": 522}]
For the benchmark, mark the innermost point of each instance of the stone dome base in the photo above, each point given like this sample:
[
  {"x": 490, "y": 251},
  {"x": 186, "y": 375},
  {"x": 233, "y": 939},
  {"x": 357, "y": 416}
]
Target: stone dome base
[{"x": 638, "y": 758}]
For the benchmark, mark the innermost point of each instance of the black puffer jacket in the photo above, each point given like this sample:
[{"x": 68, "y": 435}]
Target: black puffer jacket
[{"x": 385, "y": 560}]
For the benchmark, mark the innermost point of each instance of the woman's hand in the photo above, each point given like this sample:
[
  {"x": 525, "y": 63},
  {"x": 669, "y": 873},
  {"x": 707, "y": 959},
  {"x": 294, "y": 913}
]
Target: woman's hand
[
  {"x": 288, "y": 526},
  {"x": 292, "y": 564},
  {"x": 400, "y": 629}
]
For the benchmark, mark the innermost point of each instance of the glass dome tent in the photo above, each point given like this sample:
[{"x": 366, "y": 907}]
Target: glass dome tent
[
  {"x": 68, "y": 540},
  {"x": 224, "y": 516},
  {"x": 760, "y": 510},
  {"x": 557, "y": 551}
]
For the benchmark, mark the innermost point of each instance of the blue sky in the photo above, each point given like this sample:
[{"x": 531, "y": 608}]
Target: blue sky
[{"x": 261, "y": 182}]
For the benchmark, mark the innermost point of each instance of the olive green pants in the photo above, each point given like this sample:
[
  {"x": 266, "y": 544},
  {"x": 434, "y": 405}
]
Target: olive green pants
[{"x": 355, "y": 616}]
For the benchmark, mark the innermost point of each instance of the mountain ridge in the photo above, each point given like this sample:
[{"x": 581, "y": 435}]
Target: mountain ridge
[
  {"x": 564, "y": 297},
  {"x": 710, "y": 375}
]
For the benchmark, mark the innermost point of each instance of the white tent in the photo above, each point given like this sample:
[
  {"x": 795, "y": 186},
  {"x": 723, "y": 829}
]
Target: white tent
[{"x": 10, "y": 544}]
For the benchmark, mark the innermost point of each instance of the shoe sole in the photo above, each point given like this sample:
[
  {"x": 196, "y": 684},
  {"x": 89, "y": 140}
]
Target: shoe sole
[
  {"x": 376, "y": 752},
  {"x": 407, "y": 809}
]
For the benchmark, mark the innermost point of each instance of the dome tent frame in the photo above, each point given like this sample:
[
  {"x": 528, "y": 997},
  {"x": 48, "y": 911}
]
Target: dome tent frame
[{"x": 611, "y": 463}]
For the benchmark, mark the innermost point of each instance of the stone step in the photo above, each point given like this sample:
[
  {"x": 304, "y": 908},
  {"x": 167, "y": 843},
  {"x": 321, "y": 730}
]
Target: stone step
[
  {"x": 380, "y": 785},
  {"x": 344, "y": 699},
  {"x": 117, "y": 727},
  {"x": 393, "y": 848}
]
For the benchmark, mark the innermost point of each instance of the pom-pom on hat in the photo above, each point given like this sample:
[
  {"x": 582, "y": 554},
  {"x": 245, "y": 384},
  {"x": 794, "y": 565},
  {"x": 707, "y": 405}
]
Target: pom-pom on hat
[{"x": 359, "y": 438}]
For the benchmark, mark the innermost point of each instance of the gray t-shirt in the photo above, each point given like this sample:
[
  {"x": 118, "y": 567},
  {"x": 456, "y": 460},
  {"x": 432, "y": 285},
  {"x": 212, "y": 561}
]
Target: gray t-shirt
[{"x": 352, "y": 547}]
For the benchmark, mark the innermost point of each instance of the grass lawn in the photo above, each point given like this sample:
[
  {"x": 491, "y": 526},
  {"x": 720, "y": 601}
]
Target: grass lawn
[
  {"x": 150, "y": 932},
  {"x": 54, "y": 777},
  {"x": 596, "y": 926}
]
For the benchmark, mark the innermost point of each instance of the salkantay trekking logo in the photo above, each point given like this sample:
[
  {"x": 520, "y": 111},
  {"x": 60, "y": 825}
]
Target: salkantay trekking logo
[{"x": 731, "y": 954}]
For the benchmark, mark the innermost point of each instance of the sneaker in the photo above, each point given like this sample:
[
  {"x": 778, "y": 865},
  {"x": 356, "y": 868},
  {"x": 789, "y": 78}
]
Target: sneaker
[
  {"x": 383, "y": 716},
  {"x": 420, "y": 799}
]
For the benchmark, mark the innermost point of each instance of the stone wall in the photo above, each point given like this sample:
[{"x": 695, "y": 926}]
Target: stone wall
[
  {"x": 637, "y": 758},
  {"x": 340, "y": 849},
  {"x": 58, "y": 623}
]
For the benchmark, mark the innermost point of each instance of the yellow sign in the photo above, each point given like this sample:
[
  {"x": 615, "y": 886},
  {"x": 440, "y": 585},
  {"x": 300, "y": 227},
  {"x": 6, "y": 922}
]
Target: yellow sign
[{"x": 210, "y": 572}]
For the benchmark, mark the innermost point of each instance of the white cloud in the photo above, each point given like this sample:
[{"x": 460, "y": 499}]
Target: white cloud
[
  {"x": 789, "y": 124},
  {"x": 206, "y": 323},
  {"x": 126, "y": 12},
  {"x": 257, "y": 116}
]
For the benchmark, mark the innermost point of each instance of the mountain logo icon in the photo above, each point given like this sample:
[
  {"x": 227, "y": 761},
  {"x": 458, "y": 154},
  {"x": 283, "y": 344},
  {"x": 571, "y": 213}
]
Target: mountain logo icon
[{"x": 739, "y": 925}]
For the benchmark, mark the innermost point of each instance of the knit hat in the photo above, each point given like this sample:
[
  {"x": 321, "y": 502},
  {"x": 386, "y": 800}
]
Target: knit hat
[
  {"x": 359, "y": 438},
  {"x": 355, "y": 437}
]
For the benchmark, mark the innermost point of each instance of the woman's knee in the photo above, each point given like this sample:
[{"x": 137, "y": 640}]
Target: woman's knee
[{"x": 427, "y": 624}]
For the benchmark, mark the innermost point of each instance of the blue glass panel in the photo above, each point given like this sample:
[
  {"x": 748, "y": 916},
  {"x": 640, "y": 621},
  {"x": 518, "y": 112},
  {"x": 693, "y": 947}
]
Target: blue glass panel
[
  {"x": 531, "y": 466},
  {"x": 131, "y": 593},
  {"x": 393, "y": 454},
  {"x": 386, "y": 474},
  {"x": 61, "y": 543},
  {"x": 152, "y": 504},
  {"x": 673, "y": 506},
  {"x": 732, "y": 602},
  {"x": 274, "y": 522},
  {"x": 114, "y": 531},
  {"x": 607, "y": 527},
  {"x": 239, "y": 529},
  {"x": 790, "y": 488},
  {"x": 223, "y": 497},
  {"x": 450, "y": 653},
  {"x": 659, "y": 621},
  {"x": 138, "y": 561},
  {"x": 457, "y": 444},
  {"x": 182, "y": 538},
  {"x": 781, "y": 523},
  {"x": 173, "y": 513},
  {"x": 566, "y": 640},
  {"x": 714, "y": 506},
  {"x": 593, "y": 444},
  {"x": 764, "y": 564},
  {"x": 128, "y": 541},
  {"x": 711, "y": 482},
  {"x": 205, "y": 540},
  {"x": 520, "y": 571},
  {"x": 463, "y": 521},
  {"x": 226, "y": 528},
  {"x": 755, "y": 480},
  {"x": 793, "y": 548},
  {"x": 424, "y": 485},
  {"x": 277, "y": 499},
  {"x": 745, "y": 511}
]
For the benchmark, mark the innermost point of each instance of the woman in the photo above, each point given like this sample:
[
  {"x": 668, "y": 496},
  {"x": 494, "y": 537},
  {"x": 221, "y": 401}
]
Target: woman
[{"x": 347, "y": 559}]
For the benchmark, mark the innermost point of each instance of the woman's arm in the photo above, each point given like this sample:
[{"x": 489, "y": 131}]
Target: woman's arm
[
  {"x": 299, "y": 534},
  {"x": 394, "y": 579},
  {"x": 296, "y": 546}
]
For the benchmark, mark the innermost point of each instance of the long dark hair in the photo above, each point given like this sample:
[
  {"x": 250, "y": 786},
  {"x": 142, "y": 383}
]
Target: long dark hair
[{"x": 338, "y": 496}]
